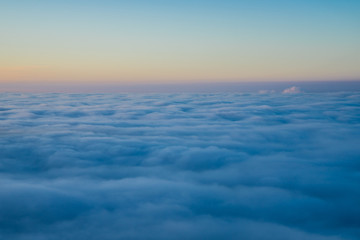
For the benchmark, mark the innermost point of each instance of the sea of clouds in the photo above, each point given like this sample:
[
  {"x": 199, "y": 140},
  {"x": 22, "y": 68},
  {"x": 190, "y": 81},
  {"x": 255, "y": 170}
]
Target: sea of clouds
[{"x": 180, "y": 166}]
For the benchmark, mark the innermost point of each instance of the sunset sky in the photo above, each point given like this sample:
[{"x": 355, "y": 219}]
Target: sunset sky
[
  {"x": 179, "y": 119},
  {"x": 158, "y": 41}
]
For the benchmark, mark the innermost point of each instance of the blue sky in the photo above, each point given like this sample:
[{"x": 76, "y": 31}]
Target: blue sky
[{"x": 172, "y": 41}]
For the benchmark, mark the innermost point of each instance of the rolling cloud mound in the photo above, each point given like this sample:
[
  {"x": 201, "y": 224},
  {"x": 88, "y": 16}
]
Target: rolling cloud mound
[{"x": 180, "y": 166}]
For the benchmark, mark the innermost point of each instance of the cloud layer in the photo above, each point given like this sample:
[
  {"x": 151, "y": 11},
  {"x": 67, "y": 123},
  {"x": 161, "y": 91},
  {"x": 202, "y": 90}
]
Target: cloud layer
[{"x": 180, "y": 166}]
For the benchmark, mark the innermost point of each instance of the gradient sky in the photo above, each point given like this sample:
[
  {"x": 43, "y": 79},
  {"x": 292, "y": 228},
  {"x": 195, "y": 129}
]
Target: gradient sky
[{"x": 172, "y": 41}]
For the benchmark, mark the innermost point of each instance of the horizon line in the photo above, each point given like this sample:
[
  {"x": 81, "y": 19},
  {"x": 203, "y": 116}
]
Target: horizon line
[{"x": 249, "y": 86}]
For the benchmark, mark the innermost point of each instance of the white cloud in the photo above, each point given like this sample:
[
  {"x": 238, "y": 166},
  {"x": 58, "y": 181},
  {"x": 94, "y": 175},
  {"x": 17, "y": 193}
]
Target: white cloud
[{"x": 292, "y": 90}]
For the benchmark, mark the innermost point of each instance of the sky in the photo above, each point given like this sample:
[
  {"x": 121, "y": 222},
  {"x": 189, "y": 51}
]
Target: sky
[{"x": 158, "y": 41}]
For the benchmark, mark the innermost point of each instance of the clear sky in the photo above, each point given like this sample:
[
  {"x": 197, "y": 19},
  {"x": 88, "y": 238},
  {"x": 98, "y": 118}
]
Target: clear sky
[{"x": 173, "y": 41}]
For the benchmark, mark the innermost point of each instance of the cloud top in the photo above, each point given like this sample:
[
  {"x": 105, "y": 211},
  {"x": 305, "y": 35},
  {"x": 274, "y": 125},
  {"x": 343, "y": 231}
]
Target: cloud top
[{"x": 179, "y": 166}]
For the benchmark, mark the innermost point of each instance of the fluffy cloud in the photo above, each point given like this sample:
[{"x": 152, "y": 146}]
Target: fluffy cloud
[
  {"x": 292, "y": 90},
  {"x": 179, "y": 166}
]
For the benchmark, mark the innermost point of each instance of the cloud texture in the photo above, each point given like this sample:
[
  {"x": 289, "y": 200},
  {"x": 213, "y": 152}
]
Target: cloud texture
[{"x": 180, "y": 166}]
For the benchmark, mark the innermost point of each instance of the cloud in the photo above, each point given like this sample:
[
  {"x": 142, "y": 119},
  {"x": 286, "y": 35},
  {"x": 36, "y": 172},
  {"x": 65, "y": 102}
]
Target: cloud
[
  {"x": 179, "y": 166},
  {"x": 266, "y": 91},
  {"x": 292, "y": 90}
]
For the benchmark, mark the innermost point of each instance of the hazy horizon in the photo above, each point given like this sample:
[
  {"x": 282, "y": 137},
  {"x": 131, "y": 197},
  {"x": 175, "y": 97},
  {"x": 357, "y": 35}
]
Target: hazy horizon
[{"x": 213, "y": 87}]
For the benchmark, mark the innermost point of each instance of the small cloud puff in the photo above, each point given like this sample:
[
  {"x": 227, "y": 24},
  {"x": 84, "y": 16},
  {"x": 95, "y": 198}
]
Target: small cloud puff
[{"x": 291, "y": 90}]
